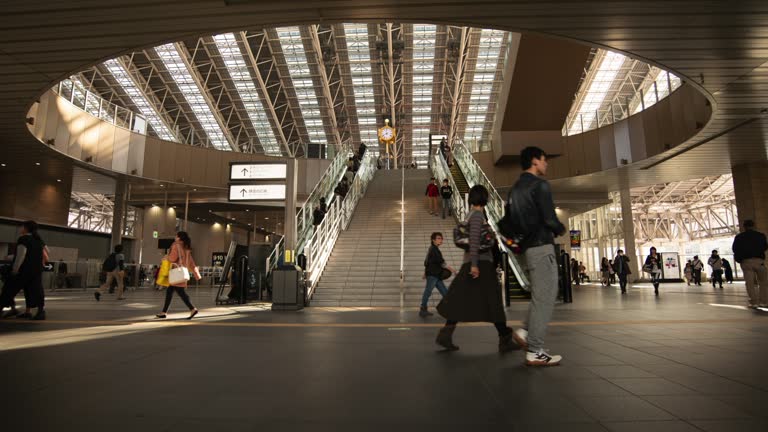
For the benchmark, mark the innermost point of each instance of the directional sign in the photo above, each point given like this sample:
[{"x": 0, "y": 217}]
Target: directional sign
[
  {"x": 257, "y": 171},
  {"x": 257, "y": 192}
]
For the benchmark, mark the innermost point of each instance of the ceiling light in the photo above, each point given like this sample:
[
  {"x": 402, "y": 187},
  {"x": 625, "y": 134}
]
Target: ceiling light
[
  {"x": 245, "y": 209},
  {"x": 162, "y": 185},
  {"x": 194, "y": 190},
  {"x": 2, "y": 165},
  {"x": 266, "y": 218},
  {"x": 89, "y": 179},
  {"x": 58, "y": 180},
  {"x": 37, "y": 163}
]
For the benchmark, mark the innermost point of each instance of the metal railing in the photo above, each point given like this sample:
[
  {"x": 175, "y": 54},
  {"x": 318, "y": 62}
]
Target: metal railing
[
  {"x": 495, "y": 208},
  {"x": 323, "y": 189},
  {"x": 99, "y": 107},
  {"x": 320, "y": 245}
]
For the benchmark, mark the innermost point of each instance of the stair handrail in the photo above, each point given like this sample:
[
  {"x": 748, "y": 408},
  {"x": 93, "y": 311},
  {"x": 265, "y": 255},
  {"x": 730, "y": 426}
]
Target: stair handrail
[
  {"x": 495, "y": 208},
  {"x": 320, "y": 245},
  {"x": 323, "y": 188}
]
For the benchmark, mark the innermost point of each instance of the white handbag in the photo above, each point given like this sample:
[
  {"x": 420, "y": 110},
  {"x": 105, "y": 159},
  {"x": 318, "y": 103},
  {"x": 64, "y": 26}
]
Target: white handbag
[{"x": 178, "y": 274}]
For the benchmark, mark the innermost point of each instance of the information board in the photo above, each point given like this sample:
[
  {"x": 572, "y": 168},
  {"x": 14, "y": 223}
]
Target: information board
[
  {"x": 257, "y": 171},
  {"x": 256, "y": 192}
]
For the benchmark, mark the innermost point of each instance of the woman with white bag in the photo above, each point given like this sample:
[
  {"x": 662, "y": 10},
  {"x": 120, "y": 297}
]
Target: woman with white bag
[{"x": 182, "y": 265}]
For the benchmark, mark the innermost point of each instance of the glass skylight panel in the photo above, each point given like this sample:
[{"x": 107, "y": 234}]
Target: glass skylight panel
[
  {"x": 193, "y": 95},
  {"x": 486, "y": 67},
  {"x": 139, "y": 100},
  {"x": 358, "y": 51},
  {"x": 603, "y": 79},
  {"x": 241, "y": 78},
  {"x": 298, "y": 69},
  {"x": 424, "y": 37}
]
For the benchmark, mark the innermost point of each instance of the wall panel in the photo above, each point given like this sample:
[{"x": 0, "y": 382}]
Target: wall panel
[
  {"x": 121, "y": 150},
  {"x": 106, "y": 145}
]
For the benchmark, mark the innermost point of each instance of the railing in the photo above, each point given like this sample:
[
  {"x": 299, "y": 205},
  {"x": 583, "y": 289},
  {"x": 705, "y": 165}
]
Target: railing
[
  {"x": 320, "y": 245},
  {"x": 495, "y": 208},
  {"x": 323, "y": 188},
  {"x": 98, "y": 107}
]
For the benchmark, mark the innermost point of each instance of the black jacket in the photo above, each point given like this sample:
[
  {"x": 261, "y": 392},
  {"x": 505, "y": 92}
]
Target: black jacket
[
  {"x": 749, "y": 244},
  {"x": 624, "y": 264},
  {"x": 433, "y": 263},
  {"x": 533, "y": 197},
  {"x": 446, "y": 192}
]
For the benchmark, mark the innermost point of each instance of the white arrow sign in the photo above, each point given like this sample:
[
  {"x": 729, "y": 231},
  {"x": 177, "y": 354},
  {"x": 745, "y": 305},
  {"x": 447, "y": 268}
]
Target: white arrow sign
[
  {"x": 268, "y": 192},
  {"x": 257, "y": 171}
]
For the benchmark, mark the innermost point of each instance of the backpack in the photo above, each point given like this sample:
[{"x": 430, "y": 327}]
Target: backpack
[
  {"x": 110, "y": 264},
  {"x": 461, "y": 236},
  {"x": 514, "y": 225}
]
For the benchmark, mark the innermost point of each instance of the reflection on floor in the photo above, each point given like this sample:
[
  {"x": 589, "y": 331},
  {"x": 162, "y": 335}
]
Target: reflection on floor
[{"x": 688, "y": 360}]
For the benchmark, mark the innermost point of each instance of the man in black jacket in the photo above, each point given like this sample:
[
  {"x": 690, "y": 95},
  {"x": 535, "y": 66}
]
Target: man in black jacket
[
  {"x": 749, "y": 250},
  {"x": 532, "y": 197},
  {"x": 621, "y": 268}
]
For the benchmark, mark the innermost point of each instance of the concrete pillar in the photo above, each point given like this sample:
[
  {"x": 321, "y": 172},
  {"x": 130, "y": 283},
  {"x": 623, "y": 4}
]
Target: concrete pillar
[
  {"x": 628, "y": 226},
  {"x": 291, "y": 182},
  {"x": 118, "y": 215},
  {"x": 749, "y": 185}
]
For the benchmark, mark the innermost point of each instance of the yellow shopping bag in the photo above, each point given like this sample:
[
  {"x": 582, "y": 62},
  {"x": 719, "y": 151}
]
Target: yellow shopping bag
[{"x": 162, "y": 274}]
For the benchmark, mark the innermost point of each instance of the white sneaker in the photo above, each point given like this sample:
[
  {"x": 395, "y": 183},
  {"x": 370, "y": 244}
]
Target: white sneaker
[
  {"x": 541, "y": 358},
  {"x": 521, "y": 337}
]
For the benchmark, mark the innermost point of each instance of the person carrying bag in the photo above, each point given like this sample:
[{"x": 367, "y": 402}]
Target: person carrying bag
[{"x": 180, "y": 262}]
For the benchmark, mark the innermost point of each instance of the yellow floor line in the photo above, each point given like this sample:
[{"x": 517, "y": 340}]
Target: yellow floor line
[{"x": 202, "y": 322}]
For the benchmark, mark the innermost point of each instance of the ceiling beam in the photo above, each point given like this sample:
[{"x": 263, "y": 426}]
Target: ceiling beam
[{"x": 266, "y": 98}]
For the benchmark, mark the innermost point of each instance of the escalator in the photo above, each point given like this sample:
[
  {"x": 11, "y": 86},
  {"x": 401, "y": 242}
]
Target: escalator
[{"x": 462, "y": 175}]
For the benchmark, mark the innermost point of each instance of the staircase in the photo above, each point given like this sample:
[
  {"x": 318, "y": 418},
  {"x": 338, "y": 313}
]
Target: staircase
[{"x": 364, "y": 268}]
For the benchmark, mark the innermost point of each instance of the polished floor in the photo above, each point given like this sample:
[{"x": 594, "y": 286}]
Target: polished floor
[{"x": 693, "y": 359}]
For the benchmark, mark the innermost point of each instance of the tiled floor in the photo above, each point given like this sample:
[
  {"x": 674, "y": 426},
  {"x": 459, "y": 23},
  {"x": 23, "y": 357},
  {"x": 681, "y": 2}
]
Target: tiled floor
[{"x": 691, "y": 360}]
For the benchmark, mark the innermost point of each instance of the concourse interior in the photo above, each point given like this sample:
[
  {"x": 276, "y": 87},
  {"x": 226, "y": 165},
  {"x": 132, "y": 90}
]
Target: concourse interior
[
  {"x": 310, "y": 158},
  {"x": 684, "y": 361}
]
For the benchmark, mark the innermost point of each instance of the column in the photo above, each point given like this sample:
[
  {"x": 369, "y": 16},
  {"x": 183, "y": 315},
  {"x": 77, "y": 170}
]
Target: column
[
  {"x": 749, "y": 185},
  {"x": 291, "y": 183},
  {"x": 628, "y": 227},
  {"x": 118, "y": 215}
]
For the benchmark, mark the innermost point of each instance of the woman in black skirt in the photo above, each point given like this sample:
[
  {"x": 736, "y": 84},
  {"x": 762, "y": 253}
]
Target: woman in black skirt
[{"x": 475, "y": 294}]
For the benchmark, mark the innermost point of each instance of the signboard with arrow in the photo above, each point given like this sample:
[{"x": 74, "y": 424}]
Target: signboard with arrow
[
  {"x": 256, "y": 171},
  {"x": 256, "y": 192}
]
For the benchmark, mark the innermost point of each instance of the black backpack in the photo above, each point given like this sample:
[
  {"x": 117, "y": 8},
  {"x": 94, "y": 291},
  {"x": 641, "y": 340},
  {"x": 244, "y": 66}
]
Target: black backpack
[
  {"x": 461, "y": 236},
  {"x": 110, "y": 264},
  {"x": 517, "y": 223}
]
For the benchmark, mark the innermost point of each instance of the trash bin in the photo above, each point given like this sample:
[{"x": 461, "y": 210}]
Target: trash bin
[{"x": 288, "y": 288}]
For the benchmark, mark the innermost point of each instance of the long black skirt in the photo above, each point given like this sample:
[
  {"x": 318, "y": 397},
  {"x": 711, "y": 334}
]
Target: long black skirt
[{"x": 474, "y": 300}]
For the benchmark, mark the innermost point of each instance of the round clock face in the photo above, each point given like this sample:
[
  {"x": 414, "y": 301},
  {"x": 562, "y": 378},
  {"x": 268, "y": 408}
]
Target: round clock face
[{"x": 386, "y": 134}]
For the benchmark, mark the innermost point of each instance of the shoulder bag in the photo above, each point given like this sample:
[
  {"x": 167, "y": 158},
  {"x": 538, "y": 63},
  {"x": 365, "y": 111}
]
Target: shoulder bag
[{"x": 179, "y": 274}]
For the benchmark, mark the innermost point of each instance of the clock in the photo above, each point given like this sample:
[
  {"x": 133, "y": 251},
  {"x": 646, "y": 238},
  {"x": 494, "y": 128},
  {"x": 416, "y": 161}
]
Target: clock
[{"x": 387, "y": 134}]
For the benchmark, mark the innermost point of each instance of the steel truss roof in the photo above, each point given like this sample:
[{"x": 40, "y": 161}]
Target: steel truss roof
[{"x": 277, "y": 90}]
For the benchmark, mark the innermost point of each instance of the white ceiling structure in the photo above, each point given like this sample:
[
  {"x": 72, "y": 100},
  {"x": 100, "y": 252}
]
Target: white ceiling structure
[{"x": 277, "y": 90}]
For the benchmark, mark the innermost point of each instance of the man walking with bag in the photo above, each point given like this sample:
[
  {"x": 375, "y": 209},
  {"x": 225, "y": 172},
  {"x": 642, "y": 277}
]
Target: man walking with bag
[
  {"x": 530, "y": 212},
  {"x": 749, "y": 250},
  {"x": 114, "y": 267}
]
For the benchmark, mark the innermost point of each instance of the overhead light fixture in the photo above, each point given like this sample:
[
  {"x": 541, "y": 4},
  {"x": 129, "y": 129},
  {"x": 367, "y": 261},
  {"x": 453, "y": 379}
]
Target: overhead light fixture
[
  {"x": 245, "y": 209},
  {"x": 194, "y": 190},
  {"x": 266, "y": 218},
  {"x": 58, "y": 180},
  {"x": 2, "y": 165},
  {"x": 162, "y": 185},
  {"x": 37, "y": 163},
  {"x": 89, "y": 179}
]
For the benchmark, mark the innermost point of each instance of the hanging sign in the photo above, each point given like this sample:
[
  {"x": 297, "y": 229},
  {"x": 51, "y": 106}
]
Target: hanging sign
[
  {"x": 257, "y": 171},
  {"x": 256, "y": 192},
  {"x": 575, "y": 239}
]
